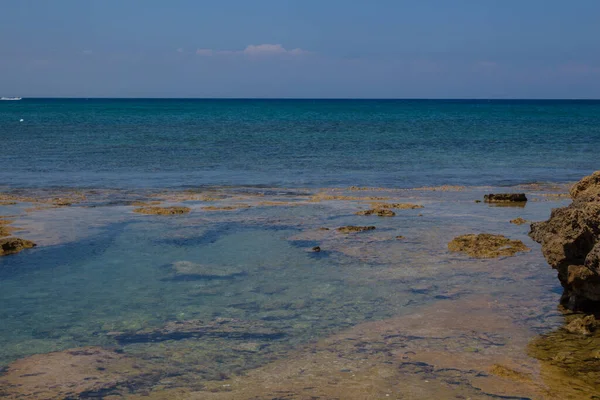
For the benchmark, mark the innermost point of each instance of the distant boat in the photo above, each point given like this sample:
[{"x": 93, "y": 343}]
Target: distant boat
[{"x": 10, "y": 98}]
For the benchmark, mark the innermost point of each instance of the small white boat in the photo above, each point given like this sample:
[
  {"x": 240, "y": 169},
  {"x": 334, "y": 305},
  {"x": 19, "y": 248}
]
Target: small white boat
[{"x": 10, "y": 98}]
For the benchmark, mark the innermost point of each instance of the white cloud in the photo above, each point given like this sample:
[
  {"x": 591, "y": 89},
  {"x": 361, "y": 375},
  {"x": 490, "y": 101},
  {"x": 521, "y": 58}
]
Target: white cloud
[{"x": 265, "y": 49}]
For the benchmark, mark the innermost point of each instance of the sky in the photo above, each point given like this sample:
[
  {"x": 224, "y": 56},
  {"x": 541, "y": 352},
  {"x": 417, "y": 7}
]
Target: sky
[{"x": 300, "y": 49}]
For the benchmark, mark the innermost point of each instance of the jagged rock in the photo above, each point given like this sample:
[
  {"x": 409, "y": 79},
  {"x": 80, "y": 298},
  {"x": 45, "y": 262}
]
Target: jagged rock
[
  {"x": 505, "y": 198},
  {"x": 378, "y": 212},
  {"x": 582, "y": 325},
  {"x": 162, "y": 210},
  {"x": 570, "y": 243},
  {"x": 486, "y": 245},
  {"x": 352, "y": 229},
  {"x": 183, "y": 269},
  {"x": 13, "y": 245},
  {"x": 221, "y": 327},
  {"x": 88, "y": 372}
]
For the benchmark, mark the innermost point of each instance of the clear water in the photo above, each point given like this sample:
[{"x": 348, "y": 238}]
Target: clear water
[
  {"x": 100, "y": 268},
  {"x": 307, "y": 143}
]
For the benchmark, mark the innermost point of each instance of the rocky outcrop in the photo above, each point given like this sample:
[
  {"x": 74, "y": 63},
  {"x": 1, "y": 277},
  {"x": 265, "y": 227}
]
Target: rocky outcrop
[
  {"x": 518, "y": 221},
  {"x": 354, "y": 229},
  {"x": 221, "y": 327},
  {"x": 505, "y": 198},
  {"x": 486, "y": 245},
  {"x": 400, "y": 206},
  {"x": 380, "y": 212},
  {"x": 162, "y": 210},
  {"x": 13, "y": 245},
  {"x": 570, "y": 242},
  {"x": 89, "y": 372}
]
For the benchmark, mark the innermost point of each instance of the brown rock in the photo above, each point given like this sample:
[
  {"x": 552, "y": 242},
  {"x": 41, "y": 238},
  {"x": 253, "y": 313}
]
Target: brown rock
[
  {"x": 486, "y": 245},
  {"x": 570, "y": 242},
  {"x": 505, "y": 198},
  {"x": 353, "y": 229},
  {"x": 582, "y": 325},
  {"x": 316, "y": 249},
  {"x": 378, "y": 212},
  {"x": 13, "y": 245},
  {"x": 162, "y": 210},
  {"x": 518, "y": 221},
  {"x": 400, "y": 206}
]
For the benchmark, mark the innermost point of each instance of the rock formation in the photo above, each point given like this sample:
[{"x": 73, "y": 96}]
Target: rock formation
[
  {"x": 13, "y": 245},
  {"x": 380, "y": 212},
  {"x": 162, "y": 210},
  {"x": 570, "y": 242},
  {"x": 505, "y": 198},
  {"x": 486, "y": 245},
  {"x": 353, "y": 229}
]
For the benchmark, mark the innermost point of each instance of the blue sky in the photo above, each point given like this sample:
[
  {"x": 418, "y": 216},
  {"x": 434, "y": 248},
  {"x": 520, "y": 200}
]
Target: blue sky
[{"x": 308, "y": 48}]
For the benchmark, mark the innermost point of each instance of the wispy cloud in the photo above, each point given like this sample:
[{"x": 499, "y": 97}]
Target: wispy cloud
[{"x": 265, "y": 49}]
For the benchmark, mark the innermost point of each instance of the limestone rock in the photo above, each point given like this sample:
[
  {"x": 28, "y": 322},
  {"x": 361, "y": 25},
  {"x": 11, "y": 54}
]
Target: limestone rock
[
  {"x": 13, "y": 245},
  {"x": 486, "y": 245},
  {"x": 378, "y": 211},
  {"x": 570, "y": 243}
]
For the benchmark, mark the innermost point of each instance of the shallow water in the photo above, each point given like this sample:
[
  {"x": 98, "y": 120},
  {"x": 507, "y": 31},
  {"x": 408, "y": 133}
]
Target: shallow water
[{"x": 101, "y": 268}]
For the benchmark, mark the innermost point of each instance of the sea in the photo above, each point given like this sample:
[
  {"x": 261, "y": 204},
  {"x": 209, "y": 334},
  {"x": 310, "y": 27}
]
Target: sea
[{"x": 252, "y": 292}]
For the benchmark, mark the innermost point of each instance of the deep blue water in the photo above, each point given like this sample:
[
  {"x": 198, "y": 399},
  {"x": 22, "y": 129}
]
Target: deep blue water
[{"x": 296, "y": 143}]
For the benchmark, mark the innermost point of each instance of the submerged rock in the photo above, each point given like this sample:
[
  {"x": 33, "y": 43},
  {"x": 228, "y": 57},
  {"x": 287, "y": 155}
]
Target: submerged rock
[
  {"x": 353, "y": 229},
  {"x": 486, "y": 245},
  {"x": 505, "y": 198},
  {"x": 187, "y": 269},
  {"x": 316, "y": 249},
  {"x": 89, "y": 372},
  {"x": 162, "y": 210},
  {"x": 13, "y": 245},
  {"x": 227, "y": 328},
  {"x": 377, "y": 211},
  {"x": 399, "y": 206},
  {"x": 570, "y": 242},
  {"x": 518, "y": 221}
]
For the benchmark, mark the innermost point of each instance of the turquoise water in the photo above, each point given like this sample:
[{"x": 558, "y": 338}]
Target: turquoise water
[{"x": 298, "y": 143}]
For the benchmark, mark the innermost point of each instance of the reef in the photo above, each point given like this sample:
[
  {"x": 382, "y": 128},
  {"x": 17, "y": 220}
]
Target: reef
[
  {"x": 13, "y": 245},
  {"x": 162, "y": 210},
  {"x": 227, "y": 328},
  {"x": 354, "y": 229},
  {"x": 570, "y": 241},
  {"x": 486, "y": 245},
  {"x": 505, "y": 198}
]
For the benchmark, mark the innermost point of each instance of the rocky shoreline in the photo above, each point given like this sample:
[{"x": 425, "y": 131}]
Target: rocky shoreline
[{"x": 570, "y": 241}]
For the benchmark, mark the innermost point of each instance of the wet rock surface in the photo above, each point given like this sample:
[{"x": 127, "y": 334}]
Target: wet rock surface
[
  {"x": 221, "y": 327},
  {"x": 13, "y": 245},
  {"x": 582, "y": 325},
  {"x": 518, "y": 221},
  {"x": 505, "y": 198},
  {"x": 155, "y": 210},
  {"x": 486, "y": 245},
  {"x": 89, "y": 372},
  {"x": 399, "y": 206},
  {"x": 570, "y": 242},
  {"x": 355, "y": 229}
]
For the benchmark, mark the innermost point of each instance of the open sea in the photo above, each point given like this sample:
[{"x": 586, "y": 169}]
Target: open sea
[
  {"x": 231, "y": 299},
  {"x": 294, "y": 143}
]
